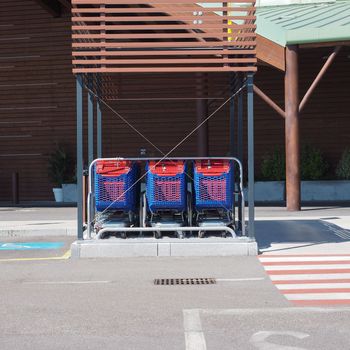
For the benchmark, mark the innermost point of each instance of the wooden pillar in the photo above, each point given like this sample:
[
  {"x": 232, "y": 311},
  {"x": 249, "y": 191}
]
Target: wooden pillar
[
  {"x": 292, "y": 129},
  {"x": 202, "y": 114}
]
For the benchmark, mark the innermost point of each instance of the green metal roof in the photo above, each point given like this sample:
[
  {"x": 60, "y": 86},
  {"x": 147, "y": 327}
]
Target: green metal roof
[{"x": 305, "y": 23}]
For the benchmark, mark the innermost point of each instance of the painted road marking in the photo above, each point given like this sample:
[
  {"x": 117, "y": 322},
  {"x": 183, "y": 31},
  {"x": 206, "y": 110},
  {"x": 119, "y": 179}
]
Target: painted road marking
[
  {"x": 66, "y": 282},
  {"x": 65, "y": 256},
  {"x": 319, "y": 296},
  {"x": 310, "y": 280},
  {"x": 306, "y": 267},
  {"x": 286, "y": 287},
  {"x": 302, "y": 258},
  {"x": 194, "y": 336},
  {"x": 31, "y": 245},
  {"x": 239, "y": 279},
  {"x": 306, "y": 277},
  {"x": 277, "y": 310},
  {"x": 260, "y": 340},
  {"x": 296, "y": 263}
]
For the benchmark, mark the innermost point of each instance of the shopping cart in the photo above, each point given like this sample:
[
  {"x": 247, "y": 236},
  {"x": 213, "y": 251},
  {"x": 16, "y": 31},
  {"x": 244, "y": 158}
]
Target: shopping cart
[
  {"x": 213, "y": 193},
  {"x": 166, "y": 201},
  {"x": 116, "y": 194}
]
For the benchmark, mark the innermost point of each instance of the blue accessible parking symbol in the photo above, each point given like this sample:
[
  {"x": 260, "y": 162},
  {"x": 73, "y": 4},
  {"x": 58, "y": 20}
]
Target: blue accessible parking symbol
[{"x": 30, "y": 245}]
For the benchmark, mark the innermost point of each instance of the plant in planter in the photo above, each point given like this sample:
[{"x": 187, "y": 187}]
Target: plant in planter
[
  {"x": 321, "y": 188},
  {"x": 273, "y": 174},
  {"x": 60, "y": 170},
  {"x": 313, "y": 166},
  {"x": 343, "y": 168},
  {"x": 273, "y": 166}
]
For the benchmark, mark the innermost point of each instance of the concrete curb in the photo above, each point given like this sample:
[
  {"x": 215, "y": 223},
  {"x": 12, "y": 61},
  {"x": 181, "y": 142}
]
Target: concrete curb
[{"x": 141, "y": 247}]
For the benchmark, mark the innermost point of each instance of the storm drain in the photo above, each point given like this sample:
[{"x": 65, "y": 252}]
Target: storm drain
[{"x": 183, "y": 281}]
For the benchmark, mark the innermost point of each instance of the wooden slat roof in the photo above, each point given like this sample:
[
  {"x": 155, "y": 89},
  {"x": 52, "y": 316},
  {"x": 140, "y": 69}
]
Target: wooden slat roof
[{"x": 160, "y": 36}]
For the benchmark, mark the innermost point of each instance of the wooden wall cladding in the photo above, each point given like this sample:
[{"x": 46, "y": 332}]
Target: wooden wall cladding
[
  {"x": 37, "y": 95},
  {"x": 163, "y": 36},
  {"x": 37, "y": 103}
]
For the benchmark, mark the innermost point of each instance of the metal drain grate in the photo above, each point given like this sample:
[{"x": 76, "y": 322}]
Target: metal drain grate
[{"x": 183, "y": 281}]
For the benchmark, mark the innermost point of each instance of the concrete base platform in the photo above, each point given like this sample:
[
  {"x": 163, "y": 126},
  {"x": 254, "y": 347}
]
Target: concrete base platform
[{"x": 141, "y": 247}]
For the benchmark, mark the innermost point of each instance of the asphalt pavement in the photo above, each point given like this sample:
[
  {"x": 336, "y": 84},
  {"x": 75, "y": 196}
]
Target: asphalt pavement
[
  {"x": 52, "y": 302},
  {"x": 114, "y": 304}
]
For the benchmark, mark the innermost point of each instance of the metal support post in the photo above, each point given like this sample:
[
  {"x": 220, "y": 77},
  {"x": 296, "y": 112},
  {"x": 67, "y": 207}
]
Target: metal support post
[
  {"x": 90, "y": 123},
  {"x": 292, "y": 129},
  {"x": 79, "y": 92},
  {"x": 240, "y": 139},
  {"x": 232, "y": 138},
  {"x": 240, "y": 124},
  {"x": 250, "y": 110},
  {"x": 99, "y": 129},
  {"x": 99, "y": 117},
  {"x": 232, "y": 118}
]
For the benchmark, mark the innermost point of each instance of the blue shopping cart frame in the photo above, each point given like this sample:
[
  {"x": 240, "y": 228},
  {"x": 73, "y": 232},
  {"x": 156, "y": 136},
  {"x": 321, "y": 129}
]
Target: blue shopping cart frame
[{"x": 91, "y": 210}]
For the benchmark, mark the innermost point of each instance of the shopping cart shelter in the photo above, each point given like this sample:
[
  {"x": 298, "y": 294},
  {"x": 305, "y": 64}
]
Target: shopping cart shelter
[{"x": 164, "y": 205}]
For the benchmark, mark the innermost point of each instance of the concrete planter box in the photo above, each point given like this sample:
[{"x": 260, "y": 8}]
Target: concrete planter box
[
  {"x": 325, "y": 191},
  {"x": 311, "y": 191},
  {"x": 271, "y": 191},
  {"x": 268, "y": 191},
  {"x": 69, "y": 193}
]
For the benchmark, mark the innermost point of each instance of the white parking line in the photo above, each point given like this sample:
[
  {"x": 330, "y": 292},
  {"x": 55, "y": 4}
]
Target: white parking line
[
  {"x": 194, "y": 336},
  {"x": 66, "y": 282},
  {"x": 240, "y": 279},
  {"x": 279, "y": 310}
]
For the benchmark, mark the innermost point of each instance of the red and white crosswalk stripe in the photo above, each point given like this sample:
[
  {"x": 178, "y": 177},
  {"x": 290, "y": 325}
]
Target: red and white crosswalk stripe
[{"x": 310, "y": 279}]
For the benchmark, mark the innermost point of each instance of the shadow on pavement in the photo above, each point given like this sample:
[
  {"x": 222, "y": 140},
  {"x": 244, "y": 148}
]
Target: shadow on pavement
[{"x": 300, "y": 232}]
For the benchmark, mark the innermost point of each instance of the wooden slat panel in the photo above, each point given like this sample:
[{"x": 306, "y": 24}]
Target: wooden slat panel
[
  {"x": 138, "y": 26},
  {"x": 152, "y": 36},
  {"x": 159, "y": 105},
  {"x": 36, "y": 96},
  {"x": 160, "y": 28},
  {"x": 161, "y": 53},
  {"x": 147, "y": 2},
  {"x": 168, "y": 61},
  {"x": 165, "y": 44},
  {"x": 161, "y": 69},
  {"x": 208, "y": 18},
  {"x": 164, "y": 8}
]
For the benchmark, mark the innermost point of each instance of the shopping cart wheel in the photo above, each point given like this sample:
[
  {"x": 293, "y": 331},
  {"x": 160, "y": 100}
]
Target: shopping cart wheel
[
  {"x": 123, "y": 235},
  {"x": 200, "y": 234},
  {"x": 157, "y": 234},
  {"x": 180, "y": 234},
  {"x": 224, "y": 234}
]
